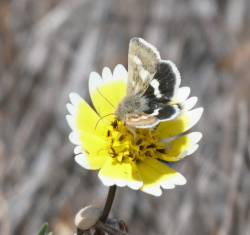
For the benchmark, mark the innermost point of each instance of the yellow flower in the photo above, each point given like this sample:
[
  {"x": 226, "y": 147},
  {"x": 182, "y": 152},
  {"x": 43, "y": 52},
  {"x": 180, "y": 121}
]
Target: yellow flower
[{"x": 110, "y": 147}]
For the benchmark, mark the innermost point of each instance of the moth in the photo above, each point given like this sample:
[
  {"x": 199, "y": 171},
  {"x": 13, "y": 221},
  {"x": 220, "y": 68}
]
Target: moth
[{"x": 151, "y": 88}]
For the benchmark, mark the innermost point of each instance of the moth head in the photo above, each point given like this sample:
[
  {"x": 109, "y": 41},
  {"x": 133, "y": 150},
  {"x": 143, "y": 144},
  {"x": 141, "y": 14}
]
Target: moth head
[{"x": 130, "y": 104}]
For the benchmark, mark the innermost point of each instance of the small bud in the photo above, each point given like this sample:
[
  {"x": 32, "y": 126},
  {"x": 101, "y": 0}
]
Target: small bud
[{"x": 87, "y": 217}]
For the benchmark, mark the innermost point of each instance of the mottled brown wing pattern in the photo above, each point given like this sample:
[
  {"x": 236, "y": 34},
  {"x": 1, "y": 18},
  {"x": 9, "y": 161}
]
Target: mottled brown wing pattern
[{"x": 142, "y": 65}]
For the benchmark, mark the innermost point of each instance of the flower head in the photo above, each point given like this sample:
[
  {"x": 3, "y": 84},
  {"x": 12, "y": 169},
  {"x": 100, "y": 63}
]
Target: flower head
[{"x": 129, "y": 159}]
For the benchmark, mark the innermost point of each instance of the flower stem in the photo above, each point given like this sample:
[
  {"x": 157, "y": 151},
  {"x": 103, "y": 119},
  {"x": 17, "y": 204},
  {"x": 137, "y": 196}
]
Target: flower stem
[
  {"x": 107, "y": 207},
  {"x": 108, "y": 204}
]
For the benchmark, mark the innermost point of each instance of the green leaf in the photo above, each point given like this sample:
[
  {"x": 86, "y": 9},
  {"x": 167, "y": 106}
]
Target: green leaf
[
  {"x": 50, "y": 233},
  {"x": 43, "y": 229}
]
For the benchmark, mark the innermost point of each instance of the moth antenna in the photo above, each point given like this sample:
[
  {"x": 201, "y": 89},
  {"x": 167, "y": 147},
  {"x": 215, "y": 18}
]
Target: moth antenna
[
  {"x": 105, "y": 98},
  {"x": 102, "y": 118}
]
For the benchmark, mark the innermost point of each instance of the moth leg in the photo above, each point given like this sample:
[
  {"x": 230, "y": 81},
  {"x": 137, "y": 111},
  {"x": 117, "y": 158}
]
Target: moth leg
[
  {"x": 133, "y": 131},
  {"x": 121, "y": 129},
  {"x": 149, "y": 132}
]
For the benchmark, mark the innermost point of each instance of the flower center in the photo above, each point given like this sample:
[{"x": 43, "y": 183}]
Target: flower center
[{"x": 134, "y": 144}]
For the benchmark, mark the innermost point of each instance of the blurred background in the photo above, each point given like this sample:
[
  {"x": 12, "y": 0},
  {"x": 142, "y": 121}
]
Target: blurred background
[{"x": 48, "y": 49}]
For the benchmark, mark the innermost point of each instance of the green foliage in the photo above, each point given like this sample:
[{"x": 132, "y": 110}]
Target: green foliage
[{"x": 44, "y": 229}]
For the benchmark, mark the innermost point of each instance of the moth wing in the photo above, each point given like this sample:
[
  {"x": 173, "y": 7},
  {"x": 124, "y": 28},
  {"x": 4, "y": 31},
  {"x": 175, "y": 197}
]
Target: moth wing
[
  {"x": 161, "y": 92},
  {"x": 156, "y": 81},
  {"x": 141, "y": 121},
  {"x": 151, "y": 119},
  {"x": 165, "y": 82},
  {"x": 142, "y": 65}
]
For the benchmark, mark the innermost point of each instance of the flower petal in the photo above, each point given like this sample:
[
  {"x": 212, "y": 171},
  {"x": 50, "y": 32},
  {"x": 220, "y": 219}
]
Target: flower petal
[
  {"x": 107, "y": 75},
  {"x": 153, "y": 189},
  {"x": 78, "y": 149},
  {"x": 190, "y": 103},
  {"x": 72, "y": 109},
  {"x": 75, "y": 138},
  {"x": 182, "y": 154},
  {"x": 75, "y": 99},
  {"x": 95, "y": 81},
  {"x": 91, "y": 162},
  {"x": 120, "y": 73},
  {"x": 85, "y": 117},
  {"x": 72, "y": 122},
  {"x": 179, "y": 125},
  {"x": 192, "y": 149},
  {"x": 156, "y": 174},
  {"x": 172, "y": 158},
  {"x": 89, "y": 143},
  {"x": 107, "y": 92},
  {"x": 182, "y": 94},
  {"x": 94, "y": 144},
  {"x": 181, "y": 147},
  {"x": 183, "y": 143},
  {"x": 120, "y": 173}
]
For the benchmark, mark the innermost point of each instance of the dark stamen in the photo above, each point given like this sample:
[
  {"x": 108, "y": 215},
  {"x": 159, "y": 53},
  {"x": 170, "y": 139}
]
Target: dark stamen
[
  {"x": 151, "y": 146},
  {"x": 139, "y": 141},
  {"x": 122, "y": 138},
  {"x": 108, "y": 133},
  {"x": 115, "y": 124},
  {"x": 114, "y": 154},
  {"x": 161, "y": 150}
]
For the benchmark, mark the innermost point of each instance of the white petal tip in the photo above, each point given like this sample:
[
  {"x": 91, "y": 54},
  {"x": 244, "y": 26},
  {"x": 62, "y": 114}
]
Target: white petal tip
[
  {"x": 179, "y": 180},
  {"x": 182, "y": 154},
  {"x": 75, "y": 99},
  {"x": 74, "y": 138},
  {"x": 72, "y": 109},
  {"x": 120, "y": 73},
  {"x": 71, "y": 122},
  {"x": 183, "y": 93},
  {"x": 199, "y": 110},
  {"x": 195, "y": 115},
  {"x": 107, "y": 75},
  {"x": 82, "y": 161},
  {"x": 106, "y": 180},
  {"x": 78, "y": 149},
  {"x": 192, "y": 149},
  {"x": 190, "y": 103},
  {"x": 95, "y": 81},
  {"x": 135, "y": 184},
  {"x": 195, "y": 137},
  {"x": 167, "y": 185},
  {"x": 156, "y": 191}
]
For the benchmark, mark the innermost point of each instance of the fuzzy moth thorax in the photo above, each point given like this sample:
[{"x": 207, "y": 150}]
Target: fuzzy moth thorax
[{"x": 130, "y": 104}]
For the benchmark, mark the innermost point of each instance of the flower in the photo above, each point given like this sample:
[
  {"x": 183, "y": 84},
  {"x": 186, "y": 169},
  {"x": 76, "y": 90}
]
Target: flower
[{"x": 125, "y": 160}]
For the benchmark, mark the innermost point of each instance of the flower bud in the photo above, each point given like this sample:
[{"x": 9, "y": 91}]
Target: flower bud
[{"x": 87, "y": 217}]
